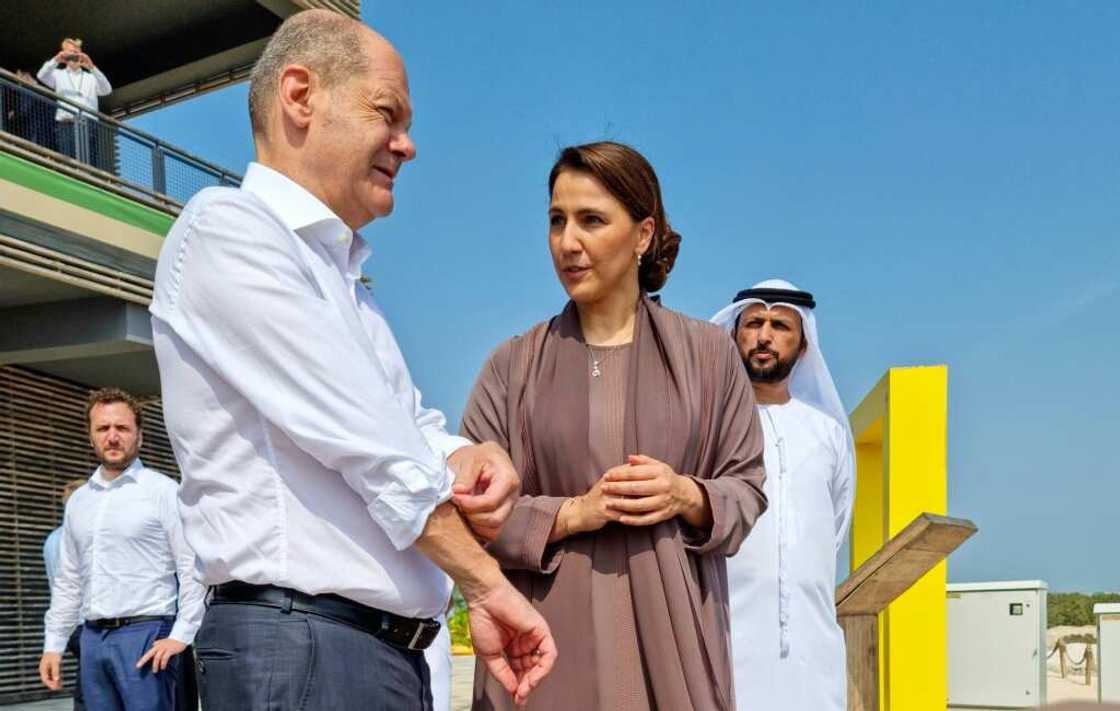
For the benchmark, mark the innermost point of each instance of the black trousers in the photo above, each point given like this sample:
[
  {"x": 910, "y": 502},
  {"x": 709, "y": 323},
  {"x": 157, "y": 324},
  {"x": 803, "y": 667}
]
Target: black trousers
[
  {"x": 97, "y": 138},
  {"x": 255, "y": 658},
  {"x": 186, "y": 686}
]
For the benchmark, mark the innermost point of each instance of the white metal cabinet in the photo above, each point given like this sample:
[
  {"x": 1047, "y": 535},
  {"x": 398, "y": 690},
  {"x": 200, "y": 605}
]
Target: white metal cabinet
[
  {"x": 997, "y": 644},
  {"x": 1108, "y": 650}
]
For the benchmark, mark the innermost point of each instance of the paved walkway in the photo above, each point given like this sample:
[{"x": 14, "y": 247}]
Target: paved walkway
[
  {"x": 462, "y": 681},
  {"x": 63, "y": 704}
]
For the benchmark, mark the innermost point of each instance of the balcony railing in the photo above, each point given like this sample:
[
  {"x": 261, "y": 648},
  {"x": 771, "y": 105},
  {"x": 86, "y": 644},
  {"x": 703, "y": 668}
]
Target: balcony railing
[{"x": 41, "y": 126}]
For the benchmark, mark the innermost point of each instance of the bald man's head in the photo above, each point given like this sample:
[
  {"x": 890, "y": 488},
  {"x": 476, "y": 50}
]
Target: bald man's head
[
  {"x": 330, "y": 107},
  {"x": 331, "y": 45}
]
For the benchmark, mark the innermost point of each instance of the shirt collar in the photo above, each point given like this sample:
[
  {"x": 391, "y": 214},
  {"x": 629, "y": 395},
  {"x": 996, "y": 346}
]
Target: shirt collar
[
  {"x": 132, "y": 472},
  {"x": 307, "y": 215}
]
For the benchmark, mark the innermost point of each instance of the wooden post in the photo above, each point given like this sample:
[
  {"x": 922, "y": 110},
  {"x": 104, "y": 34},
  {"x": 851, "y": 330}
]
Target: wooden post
[
  {"x": 882, "y": 578},
  {"x": 861, "y": 637},
  {"x": 1062, "y": 656},
  {"x": 1088, "y": 665}
]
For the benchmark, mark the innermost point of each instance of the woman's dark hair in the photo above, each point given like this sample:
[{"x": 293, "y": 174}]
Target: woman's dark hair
[{"x": 629, "y": 177}]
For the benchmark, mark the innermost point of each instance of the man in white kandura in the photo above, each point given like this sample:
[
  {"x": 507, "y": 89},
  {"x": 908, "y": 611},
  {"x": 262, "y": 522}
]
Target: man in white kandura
[{"x": 788, "y": 649}]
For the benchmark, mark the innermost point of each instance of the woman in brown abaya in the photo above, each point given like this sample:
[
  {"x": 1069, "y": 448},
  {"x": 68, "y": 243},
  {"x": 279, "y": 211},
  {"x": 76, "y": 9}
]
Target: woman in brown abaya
[{"x": 637, "y": 438}]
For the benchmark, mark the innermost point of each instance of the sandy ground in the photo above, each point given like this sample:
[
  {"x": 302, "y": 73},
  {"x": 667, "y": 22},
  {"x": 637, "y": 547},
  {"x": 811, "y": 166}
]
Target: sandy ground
[{"x": 1072, "y": 688}]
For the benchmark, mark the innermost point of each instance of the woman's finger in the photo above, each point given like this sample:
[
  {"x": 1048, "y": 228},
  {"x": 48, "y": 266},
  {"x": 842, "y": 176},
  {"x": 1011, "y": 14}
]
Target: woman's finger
[
  {"x": 646, "y": 487},
  {"x": 632, "y": 472},
  {"x": 648, "y": 519},
  {"x": 646, "y": 504}
]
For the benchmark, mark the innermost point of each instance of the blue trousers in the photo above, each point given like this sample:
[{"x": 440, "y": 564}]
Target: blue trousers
[
  {"x": 110, "y": 679},
  {"x": 254, "y": 658},
  {"x": 74, "y": 647}
]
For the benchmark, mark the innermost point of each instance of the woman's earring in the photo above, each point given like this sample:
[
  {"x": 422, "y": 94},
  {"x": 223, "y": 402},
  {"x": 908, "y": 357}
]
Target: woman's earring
[{"x": 639, "y": 260}]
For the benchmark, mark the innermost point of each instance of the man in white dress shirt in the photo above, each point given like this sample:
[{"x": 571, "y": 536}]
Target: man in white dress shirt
[
  {"x": 787, "y": 647},
  {"x": 321, "y": 497},
  {"x": 73, "y": 76},
  {"x": 125, "y": 569}
]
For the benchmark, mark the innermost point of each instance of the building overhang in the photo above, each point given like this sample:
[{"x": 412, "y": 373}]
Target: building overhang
[
  {"x": 154, "y": 52},
  {"x": 76, "y": 270}
]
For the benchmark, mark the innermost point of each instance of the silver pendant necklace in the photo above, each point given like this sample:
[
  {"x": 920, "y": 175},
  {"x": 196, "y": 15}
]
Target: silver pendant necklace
[{"x": 596, "y": 371}]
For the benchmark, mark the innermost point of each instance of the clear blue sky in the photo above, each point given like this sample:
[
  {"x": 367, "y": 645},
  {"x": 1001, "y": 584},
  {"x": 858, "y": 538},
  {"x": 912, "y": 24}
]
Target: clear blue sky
[{"x": 945, "y": 177}]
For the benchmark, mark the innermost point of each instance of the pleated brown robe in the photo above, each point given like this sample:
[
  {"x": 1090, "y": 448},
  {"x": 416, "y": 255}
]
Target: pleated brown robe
[{"x": 639, "y": 613}]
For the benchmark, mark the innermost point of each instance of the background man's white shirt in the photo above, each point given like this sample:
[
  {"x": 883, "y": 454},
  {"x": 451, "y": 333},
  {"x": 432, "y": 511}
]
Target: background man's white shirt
[
  {"x": 308, "y": 460},
  {"x": 81, "y": 87},
  {"x": 123, "y": 555},
  {"x": 788, "y": 649}
]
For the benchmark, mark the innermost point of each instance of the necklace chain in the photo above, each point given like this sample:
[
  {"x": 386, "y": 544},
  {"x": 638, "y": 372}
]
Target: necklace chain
[{"x": 597, "y": 362}]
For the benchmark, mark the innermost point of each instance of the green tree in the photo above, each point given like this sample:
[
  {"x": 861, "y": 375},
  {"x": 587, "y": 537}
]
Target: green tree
[{"x": 1074, "y": 609}]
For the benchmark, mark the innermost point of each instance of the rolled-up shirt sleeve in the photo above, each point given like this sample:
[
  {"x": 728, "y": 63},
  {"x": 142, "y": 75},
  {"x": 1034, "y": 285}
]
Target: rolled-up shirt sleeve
[
  {"x": 237, "y": 295},
  {"x": 433, "y": 425}
]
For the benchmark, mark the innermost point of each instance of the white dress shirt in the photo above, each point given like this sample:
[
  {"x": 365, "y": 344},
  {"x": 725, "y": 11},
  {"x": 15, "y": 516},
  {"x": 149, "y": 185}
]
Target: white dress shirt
[
  {"x": 79, "y": 86},
  {"x": 787, "y": 647},
  {"x": 123, "y": 555},
  {"x": 308, "y": 461}
]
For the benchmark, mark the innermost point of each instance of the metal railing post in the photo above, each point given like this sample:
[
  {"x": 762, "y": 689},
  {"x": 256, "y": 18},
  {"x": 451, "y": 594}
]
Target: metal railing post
[
  {"x": 159, "y": 170},
  {"x": 81, "y": 139}
]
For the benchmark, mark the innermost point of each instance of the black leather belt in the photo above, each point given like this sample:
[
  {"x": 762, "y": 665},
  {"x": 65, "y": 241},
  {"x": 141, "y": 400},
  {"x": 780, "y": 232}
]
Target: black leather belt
[
  {"x": 403, "y": 632},
  {"x": 113, "y": 623}
]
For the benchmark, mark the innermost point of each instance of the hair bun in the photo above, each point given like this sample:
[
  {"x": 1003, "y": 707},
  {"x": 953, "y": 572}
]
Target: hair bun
[{"x": 659, "y": 261}]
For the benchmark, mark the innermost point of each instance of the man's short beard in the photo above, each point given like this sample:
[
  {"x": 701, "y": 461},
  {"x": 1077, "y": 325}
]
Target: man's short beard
[
  {"x": 776, "y": 372},
  {"x": 125, "y": 464}
]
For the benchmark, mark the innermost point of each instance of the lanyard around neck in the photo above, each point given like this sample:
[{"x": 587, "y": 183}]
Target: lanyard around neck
[{"x": 70, "y": 80}]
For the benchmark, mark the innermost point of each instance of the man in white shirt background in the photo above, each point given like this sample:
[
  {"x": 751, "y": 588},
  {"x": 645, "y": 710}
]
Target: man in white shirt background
[
  {"x": 324, "y": 501},
  {"x": 52, "y": 552},
  {"x": 787, "y": 648},
  {"x": 73, "y": 76},
  {"x": 125, "y": 569}
]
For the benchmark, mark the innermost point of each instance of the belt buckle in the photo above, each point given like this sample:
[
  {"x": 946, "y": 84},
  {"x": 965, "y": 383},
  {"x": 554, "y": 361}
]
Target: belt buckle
[{"x": 426, "y": 632}]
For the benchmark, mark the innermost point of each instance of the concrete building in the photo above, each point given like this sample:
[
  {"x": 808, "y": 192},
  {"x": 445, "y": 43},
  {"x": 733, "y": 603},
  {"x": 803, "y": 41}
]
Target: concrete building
[{"x": 79, "y": 235}]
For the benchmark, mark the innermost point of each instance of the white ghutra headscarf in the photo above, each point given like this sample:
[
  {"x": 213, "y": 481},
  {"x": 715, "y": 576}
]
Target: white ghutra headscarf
[{"x": 810, "y": 382}]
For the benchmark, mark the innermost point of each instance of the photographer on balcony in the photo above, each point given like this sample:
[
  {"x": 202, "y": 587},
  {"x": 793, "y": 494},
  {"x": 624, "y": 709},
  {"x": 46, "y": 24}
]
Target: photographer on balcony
[{"x": 73, "y": 76}]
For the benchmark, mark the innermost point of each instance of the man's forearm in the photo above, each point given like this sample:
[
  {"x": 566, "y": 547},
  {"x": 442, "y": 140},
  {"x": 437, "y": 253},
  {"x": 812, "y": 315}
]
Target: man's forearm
[{"x": 448, "y": 542}]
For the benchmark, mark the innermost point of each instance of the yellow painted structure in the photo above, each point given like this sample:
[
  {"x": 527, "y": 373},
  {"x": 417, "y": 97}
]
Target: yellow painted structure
[{"x": 900, "y": 430}]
